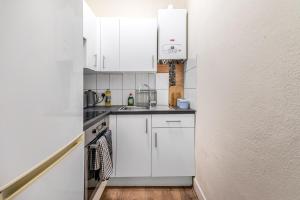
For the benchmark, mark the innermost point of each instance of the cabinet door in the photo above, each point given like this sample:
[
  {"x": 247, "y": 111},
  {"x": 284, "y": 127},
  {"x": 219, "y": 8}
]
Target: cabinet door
[
  {"x": 138, "y": 44},
  {"x": 90, "y": 34},
  {"x": 109, "y": 44},
  {"x": 133, "y": 146},
  {"x": 173, "y": 152}
]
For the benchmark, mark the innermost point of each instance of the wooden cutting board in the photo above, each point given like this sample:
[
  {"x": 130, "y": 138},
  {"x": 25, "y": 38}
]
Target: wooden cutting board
[{"x": 176, "y": 91}]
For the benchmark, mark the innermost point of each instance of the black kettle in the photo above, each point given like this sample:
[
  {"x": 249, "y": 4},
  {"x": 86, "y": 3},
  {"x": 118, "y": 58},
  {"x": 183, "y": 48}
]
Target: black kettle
[{"x": 92, "y": 98}]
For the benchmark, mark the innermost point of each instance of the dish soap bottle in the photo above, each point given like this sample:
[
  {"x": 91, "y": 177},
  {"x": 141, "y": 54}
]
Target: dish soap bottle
[
  {"x": 130, "y": 100},
  {"x": 108, "y": 98}
]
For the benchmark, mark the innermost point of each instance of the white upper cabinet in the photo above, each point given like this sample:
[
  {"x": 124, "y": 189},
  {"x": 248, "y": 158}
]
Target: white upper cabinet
[
  {"x": 138, "y": 44},
  {"x": 114, "y": 44},
  {"x": 90, "y": 34},
  {"x": 110, "y": 44}
]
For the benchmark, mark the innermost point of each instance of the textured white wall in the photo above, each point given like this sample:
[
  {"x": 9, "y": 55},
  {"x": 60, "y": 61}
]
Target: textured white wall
[
  {"x": 248, "y": 130},
  {"x": 131, "y": 8}
]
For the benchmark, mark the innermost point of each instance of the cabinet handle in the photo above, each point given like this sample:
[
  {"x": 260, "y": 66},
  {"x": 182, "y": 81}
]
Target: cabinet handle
[
  {"x": 155, "y": 140},
  {"x": 153, "y": 61},
  {"x": 96, "y": 60},
  {"x": 146, "y": 125},
  {"x": 178, "y": 121},
  {"x": 103, "y": 58}
]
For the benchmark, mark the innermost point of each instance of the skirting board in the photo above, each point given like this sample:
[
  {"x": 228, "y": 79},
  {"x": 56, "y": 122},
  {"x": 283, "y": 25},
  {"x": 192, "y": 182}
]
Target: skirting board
[
  {"x": 150, "y": 181},
  {"x": 198, "y": 190}
]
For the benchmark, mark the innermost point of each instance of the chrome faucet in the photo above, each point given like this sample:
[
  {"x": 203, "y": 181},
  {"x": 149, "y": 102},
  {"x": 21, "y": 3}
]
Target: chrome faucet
[{"x": 149, "y": 96}]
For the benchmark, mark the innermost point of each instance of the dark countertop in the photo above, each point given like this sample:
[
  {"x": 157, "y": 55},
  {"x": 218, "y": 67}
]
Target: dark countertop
[{"x": 114, "y": 110}]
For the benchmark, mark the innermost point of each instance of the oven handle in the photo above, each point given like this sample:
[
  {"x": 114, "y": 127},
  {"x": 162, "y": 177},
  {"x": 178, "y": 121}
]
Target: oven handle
[
  {"x": 100, "y": 134},
  {"x": 93, "y": 146},
  {"x": 103, "y": 124}
]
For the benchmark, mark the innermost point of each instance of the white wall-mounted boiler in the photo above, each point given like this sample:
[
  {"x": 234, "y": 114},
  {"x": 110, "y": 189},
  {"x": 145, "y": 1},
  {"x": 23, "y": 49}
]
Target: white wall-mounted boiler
[{"x": 172, "y": 34}]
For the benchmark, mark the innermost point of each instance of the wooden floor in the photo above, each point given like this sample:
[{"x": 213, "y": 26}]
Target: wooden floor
[{"x": 149, "y": 193}]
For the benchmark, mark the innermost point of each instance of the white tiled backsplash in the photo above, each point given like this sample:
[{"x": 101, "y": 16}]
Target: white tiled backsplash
[
  {"x": 122, "y": 84},
  {"x": 190, "y": 81}
]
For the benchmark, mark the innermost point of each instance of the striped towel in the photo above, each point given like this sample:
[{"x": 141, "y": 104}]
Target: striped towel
[
  {"x": 94, "y": 162},
  {"x": 108, "y": 138},
  {"x": 105, "y": 159},
  {"x": 94, "y": 157}
]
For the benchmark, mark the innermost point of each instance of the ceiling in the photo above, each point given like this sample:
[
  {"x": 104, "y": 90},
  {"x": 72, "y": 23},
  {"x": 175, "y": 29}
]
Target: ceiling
[{"x": 131, "y": 8}]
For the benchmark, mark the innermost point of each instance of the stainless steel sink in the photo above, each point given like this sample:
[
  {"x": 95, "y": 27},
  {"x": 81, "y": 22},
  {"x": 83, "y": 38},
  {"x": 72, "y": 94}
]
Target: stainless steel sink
[
  {"x": 138, "y": 108},
  {"x": 132, "y": 108}
]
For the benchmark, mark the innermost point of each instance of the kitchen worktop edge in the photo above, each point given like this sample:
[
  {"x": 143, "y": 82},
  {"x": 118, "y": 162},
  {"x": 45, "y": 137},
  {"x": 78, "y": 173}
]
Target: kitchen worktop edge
[{"x": 114, "y": 110}]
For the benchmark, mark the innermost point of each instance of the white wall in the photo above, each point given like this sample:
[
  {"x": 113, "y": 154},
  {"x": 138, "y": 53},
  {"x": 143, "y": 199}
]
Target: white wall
[
  {"x": 131, "y": 8},
  {"x": 248, "y": 111}
]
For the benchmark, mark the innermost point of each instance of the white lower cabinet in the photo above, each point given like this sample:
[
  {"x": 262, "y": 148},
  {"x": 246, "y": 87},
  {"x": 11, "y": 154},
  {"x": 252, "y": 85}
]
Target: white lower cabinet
[
  {"x": 173, "y": 152},
  {"x": 155, "y": 146},
  {"x": 133, "y": 146}
]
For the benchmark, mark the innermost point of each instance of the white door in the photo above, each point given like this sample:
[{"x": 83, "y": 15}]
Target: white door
[
  {"x": 173, "y": 152},
  {"x": 90, "y": 34},
  {"x": 133, "y": 146},
  {"x": 138, "y": 44},
  {"x": 109, "y": 44}
]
